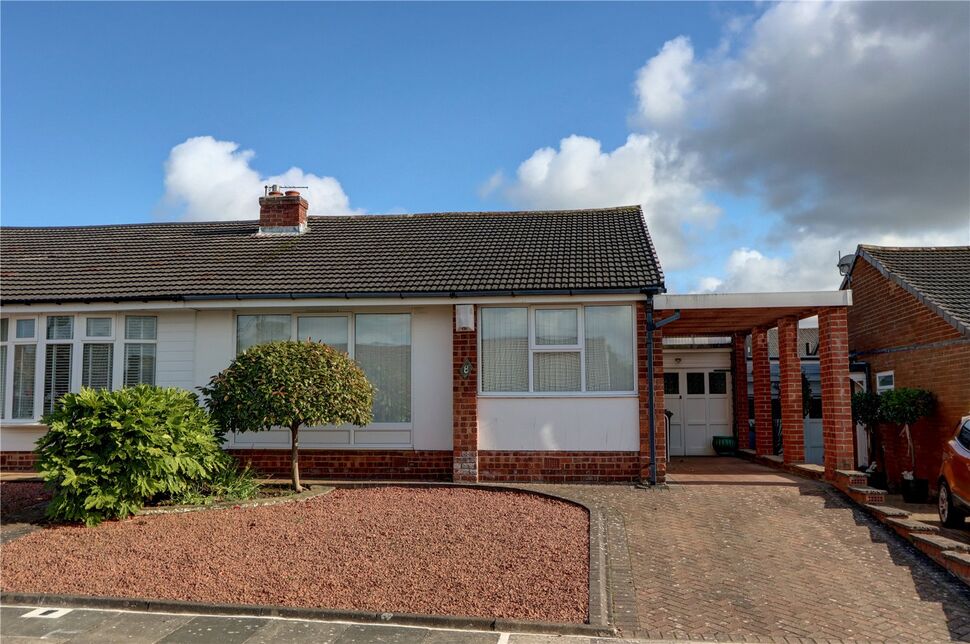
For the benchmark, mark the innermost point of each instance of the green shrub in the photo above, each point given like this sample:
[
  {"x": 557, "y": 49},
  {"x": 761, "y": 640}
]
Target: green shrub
[
  {"x": 107, "y": 453},
  {"x": 906, "y": 405},
  {"x": 230, "y": 483},
  {"x": 865, "y": 408},
  {"x": 290, "y": 384}
]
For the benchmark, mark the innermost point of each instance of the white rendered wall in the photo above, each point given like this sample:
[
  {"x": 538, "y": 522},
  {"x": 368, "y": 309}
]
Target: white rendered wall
[{"x": 579, "y": 424}]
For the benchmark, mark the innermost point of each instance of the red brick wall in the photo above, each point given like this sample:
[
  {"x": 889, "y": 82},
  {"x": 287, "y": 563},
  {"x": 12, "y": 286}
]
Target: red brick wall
[
  {"x": 17, "y": 461},
  {"x": 464, "y": 345},
  {"x": 883, "y": 316},
  {"x": 559, "y": 467},
  {"x": 352, "y": 464},
  {"x": 739, "y": 379},
  {"x": 282, "y": 211},
  {"x": 790, "y": 390},
  {"x": 761, "y": 373},
  {"x": 833, "y": 358},
  {"x": 644, "y": 394}
]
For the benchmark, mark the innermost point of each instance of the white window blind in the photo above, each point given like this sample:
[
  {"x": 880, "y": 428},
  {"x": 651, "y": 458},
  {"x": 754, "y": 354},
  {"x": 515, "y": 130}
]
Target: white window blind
[
  {"x": 60, "y": 327},
  {"x": 383, "y": 350},
  {"x": 139, "y": 364},
  {"x": 331, "y": 330},
  {"x": 57, "y": 371},
  {"x": 505, "y": 349},
  {"x": 609, "y": 348},
  {"x": 96, "y": 365},
  {"x": 595, "y": 344},
  {"x": 259, "y": 329},
  {"x": 141, "y": 327},
  {"x": 24, "y": 368},
  {"x": 556, "y": 371}
]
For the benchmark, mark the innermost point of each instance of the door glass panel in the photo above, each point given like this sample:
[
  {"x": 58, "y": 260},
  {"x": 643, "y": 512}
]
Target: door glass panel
[
  {"x": 695, "y": 383},
  {"x": 672, "y": 384},
  {"x": 717, "y": 382}
]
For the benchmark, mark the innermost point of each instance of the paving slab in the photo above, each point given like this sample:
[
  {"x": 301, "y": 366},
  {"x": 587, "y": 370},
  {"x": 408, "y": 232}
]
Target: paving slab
[
  {"x": 298, "y": 632},
  {"x": 71, "y": 624},
  {"x": 448, "y": 637},
  {"x": 377, "y": 634},
  {"x": 215, "y": 630},
  {"x": 133, "y": 628}
]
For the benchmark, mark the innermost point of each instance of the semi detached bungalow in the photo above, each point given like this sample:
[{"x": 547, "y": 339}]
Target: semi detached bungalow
[{"x": 503, "y": 346}]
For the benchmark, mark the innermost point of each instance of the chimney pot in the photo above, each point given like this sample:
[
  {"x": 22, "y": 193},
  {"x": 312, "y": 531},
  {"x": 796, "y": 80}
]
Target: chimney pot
[{"x": 292, "y": 193}]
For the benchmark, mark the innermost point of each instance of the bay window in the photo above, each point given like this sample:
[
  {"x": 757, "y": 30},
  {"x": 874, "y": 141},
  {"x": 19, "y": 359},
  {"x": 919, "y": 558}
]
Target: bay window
[{"x": 558, "y": 349}]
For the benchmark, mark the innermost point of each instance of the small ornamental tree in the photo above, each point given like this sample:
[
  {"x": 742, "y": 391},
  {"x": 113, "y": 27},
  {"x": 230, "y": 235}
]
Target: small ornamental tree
[
  {"x": 905, "y": 406},
  {"x": 290, "y": 384}
]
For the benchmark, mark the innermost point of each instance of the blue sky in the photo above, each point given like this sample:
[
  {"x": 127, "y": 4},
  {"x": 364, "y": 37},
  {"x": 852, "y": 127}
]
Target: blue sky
[{"x": 410, "y": 107}]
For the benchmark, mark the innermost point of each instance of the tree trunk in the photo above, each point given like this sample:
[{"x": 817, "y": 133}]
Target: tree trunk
[{"x": 295, "y": 455}]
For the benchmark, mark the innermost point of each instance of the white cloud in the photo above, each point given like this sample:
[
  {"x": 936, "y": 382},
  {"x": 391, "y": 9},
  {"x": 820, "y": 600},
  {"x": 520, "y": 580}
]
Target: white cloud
[
  {"x": 811, "y": 265},
  {"x": 492, "y": 184},
  {"x": 644, "y": 170},
  {"x": 208, "y": 179},
  {"x": 662, "y": 84}
]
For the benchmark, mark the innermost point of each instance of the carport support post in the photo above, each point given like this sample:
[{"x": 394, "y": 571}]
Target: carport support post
[
  {"x": 833, "y": 358},
  {"x": 656, "y": 393},
  {"x": 790, "y": 390},
  {"x": 739, "y": 366},
  {"x": 761, "y": 368}
]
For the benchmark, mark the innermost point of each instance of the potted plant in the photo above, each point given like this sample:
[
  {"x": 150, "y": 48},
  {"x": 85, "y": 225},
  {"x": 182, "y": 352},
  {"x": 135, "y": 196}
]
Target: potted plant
[
  {"x": 903, "y": 407},
  {"x": 865, "y": 411}
]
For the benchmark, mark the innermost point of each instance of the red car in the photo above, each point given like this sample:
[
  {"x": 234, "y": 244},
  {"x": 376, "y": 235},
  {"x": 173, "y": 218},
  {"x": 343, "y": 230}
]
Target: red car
[{"x": 955, "y": 477}]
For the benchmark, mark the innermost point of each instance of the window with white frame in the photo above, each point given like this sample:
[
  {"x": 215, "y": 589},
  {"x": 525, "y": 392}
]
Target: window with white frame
[
  {"x": 44, "y": 357},
  {"x": 141, "y": 338},
  {"x": 379, "y": 342},
  {"x": 557, "y": 349},
  {"x": 885, "y": 381},
  {"x": 18, "y": 367}
]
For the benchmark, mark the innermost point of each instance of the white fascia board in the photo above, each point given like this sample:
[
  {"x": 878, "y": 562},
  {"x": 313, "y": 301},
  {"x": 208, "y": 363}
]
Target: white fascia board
[
  {"x": 307, "y": 303},
  {"x": 798, "y": 299}
]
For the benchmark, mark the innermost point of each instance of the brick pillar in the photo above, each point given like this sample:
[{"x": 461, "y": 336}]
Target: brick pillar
[
  {"x": 792, "y": 419},
  {"x": 833, "y": 356},
  {"x": 761, "y": 373},
  {"x": 464, "y": 346},
  {"x": 739, "y": 376},
  {"x": 644, "y": 395}
]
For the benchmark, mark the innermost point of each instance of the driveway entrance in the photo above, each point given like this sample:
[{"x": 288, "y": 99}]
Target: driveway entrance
[{"x": 737, "y": 551}]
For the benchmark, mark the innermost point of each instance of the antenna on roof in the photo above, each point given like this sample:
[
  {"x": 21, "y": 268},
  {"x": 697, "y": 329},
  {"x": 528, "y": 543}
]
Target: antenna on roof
[{"x": 275, "y": 188}]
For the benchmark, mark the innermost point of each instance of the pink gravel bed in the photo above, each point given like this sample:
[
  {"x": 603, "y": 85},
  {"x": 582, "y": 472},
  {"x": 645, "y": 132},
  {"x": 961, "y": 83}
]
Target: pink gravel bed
[
  {"x": 16, "y": 496},
  {"x": 444, "y": 551}
]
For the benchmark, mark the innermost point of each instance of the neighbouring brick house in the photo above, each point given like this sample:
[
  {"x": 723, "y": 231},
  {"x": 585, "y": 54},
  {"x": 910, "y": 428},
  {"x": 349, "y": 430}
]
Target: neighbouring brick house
[
  {"x": 503, "y": 346},
  {"x": 909, "y": 326}
]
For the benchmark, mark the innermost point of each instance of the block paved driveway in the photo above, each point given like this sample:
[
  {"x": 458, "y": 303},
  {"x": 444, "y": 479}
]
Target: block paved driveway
[{"x": 736, "y": 551}]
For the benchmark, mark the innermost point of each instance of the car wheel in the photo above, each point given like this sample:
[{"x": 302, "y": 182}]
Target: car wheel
[{"x": 950, "y": 516}]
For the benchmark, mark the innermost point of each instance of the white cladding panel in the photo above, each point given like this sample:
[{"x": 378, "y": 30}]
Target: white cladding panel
[{"x": 582, "y": 424}]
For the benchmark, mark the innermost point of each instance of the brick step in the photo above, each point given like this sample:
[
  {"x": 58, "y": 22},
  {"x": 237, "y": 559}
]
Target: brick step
[
  {"x": 958, "y": 563},
  {"x": 866, "y": 495},
  {"x": 940, "y": 542},
  {"x": 907, "y": 527},
  {"x": 887, "y": 511},
  {"x": 852, "y": 478}
]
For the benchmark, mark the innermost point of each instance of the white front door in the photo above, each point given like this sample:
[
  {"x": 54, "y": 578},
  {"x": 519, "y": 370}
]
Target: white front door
[{"x": 700, "y": 402}]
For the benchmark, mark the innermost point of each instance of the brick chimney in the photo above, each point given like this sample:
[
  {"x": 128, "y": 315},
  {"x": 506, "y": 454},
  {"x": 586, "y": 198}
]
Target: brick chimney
[{"x": 282, "y": 214}]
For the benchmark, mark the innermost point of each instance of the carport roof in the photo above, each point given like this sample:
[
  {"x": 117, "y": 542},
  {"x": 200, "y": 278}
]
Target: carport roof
[{"x": 722, "y": 314}]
